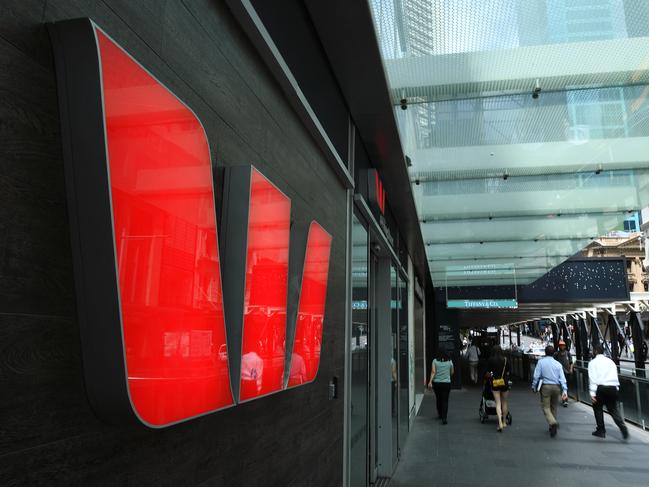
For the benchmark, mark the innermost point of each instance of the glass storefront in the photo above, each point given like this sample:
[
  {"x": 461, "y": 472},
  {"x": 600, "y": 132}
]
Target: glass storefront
[
  {"x": 404, "y": 361},
  {"x": 359, "y": 438},
  {"x": 379, "y": 359},
  {"x": 419, "y": 364},
  {"x": 395, "y": 363}
]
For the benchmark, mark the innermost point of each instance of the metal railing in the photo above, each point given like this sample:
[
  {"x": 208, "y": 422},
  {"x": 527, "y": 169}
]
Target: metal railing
[{"x": 521, "y": 364}]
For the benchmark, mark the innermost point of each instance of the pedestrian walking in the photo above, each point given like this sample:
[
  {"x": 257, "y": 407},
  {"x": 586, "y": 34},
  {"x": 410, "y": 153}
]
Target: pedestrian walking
[
  {"x": 564, "y": 357},
  {"x": 500, "y": 371},
  {"x": 604, "y": 386},
  {"x": 550, "y": 381},
  {"x": 440, "y": 381},
  {"x": 473, "y": 356}
]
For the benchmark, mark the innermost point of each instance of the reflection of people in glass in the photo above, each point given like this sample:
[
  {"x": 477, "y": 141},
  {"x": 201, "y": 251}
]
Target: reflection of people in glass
[
  {"x": 298, "y": 370},
  {"x": 440, "y": 380},
  {"x": 252, "y": 370}
]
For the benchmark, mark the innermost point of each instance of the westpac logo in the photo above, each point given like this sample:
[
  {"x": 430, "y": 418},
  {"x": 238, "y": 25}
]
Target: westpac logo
[{"x": 177, "y": 320}]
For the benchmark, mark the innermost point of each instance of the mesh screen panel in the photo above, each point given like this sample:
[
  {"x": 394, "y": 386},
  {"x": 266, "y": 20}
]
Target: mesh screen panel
[{"x": 500, "y": 176}]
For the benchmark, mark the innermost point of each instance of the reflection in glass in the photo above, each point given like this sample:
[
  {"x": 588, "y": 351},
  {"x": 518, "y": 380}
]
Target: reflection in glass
[
  {"x": 394, "y": 362},
  {"x": 359, "y": 357},
  {"x": 419, "y": 350},
  {"x": 264, "y": 325},
  {"x": 404, "y": 360},
  {"x": 166, "y": 245},
  {"x": 297, "y": 373},
  {"x": 308, "y": 329}
]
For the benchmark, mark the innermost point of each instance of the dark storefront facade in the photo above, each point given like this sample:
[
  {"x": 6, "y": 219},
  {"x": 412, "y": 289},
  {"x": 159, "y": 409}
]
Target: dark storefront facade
[{"x": 269, "y": 89}]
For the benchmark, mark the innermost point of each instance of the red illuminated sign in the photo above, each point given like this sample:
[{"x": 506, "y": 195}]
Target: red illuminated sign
[
  {"x": 305, "y": 357},
  {"x": 177, "y": 320},
  {"x": 375, "y": 190}
]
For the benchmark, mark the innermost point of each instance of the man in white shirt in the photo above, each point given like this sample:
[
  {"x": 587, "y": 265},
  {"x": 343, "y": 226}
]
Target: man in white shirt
[{"x": 604, "y": 385}]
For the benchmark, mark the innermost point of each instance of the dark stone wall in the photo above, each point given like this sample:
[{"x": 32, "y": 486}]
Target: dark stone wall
[
  {"x": 289, "y": 24},
  {"x": 48, "y": 433}
]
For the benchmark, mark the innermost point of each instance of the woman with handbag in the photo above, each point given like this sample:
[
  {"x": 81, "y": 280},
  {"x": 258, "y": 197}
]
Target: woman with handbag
[
  {"x": 440, "y": 381},
  {"x": 498, "y": 366}
]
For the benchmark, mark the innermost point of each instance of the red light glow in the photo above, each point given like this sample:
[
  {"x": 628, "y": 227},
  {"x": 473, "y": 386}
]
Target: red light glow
[
  {"x": 264, "y": 325},
  {"x": 308, "y": 331},
  {"x": 166, "y": 245}
]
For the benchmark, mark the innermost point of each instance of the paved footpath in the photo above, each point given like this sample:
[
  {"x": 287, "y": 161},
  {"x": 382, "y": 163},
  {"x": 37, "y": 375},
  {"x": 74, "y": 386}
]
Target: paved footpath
[{"x": 468, "y": 453}]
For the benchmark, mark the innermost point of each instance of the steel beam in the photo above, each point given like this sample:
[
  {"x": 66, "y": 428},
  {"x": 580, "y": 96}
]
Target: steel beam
[
  {"x": 578, "y": 341},
  {"x": 583, "y": 337},
  {"x": 601, "y": 338},
  {"x": 555, "y": 333},
  {"x": 616, "y": 345},
  {"x": 639, "y": 343}
]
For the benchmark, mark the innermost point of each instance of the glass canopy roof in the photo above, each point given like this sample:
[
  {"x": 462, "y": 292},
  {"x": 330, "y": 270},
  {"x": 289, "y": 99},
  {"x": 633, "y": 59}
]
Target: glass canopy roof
[{"x": 526, "y": 123}]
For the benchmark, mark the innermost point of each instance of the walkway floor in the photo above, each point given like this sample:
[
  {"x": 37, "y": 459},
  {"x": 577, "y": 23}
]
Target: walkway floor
[{"x": 468, "y": 453}]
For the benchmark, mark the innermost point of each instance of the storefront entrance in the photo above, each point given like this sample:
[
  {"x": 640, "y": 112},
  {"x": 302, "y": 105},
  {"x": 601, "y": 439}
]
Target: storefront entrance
[{"x": 379, "y": 358}]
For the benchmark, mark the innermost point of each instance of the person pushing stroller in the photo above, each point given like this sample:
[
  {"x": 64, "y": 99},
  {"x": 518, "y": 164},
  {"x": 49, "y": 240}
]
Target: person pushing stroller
[
  {"x": 500, "y": 372},
  {"x": 495, "y": 390}
]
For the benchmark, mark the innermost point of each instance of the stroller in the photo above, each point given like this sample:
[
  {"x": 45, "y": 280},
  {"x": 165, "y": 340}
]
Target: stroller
[{"x": 488, "y": 403}]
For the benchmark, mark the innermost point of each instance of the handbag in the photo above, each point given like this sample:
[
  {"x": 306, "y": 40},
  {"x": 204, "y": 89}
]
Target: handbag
[{"x": 500, "y": 382}]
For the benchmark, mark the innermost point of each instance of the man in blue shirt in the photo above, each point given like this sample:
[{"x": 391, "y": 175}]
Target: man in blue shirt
[{"x": 549, "y": 375}]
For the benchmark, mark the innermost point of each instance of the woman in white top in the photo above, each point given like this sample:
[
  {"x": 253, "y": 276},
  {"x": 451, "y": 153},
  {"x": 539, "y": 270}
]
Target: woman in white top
[{"x": 440, "y": 380}]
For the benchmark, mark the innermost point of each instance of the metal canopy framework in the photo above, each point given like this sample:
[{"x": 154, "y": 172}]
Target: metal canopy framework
[
  {"x": 526, "y": 123},
  {"x": 527, "y": 312},
  {"x": 598, "y": 324}
]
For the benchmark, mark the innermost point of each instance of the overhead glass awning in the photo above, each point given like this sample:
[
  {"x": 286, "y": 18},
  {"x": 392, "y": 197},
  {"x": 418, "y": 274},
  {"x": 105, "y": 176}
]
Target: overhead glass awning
[{"x": 526, "y": 123}]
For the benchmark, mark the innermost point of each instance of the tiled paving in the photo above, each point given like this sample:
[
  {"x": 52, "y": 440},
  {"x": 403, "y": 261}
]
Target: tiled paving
[{"x": 468, "y": 453}]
